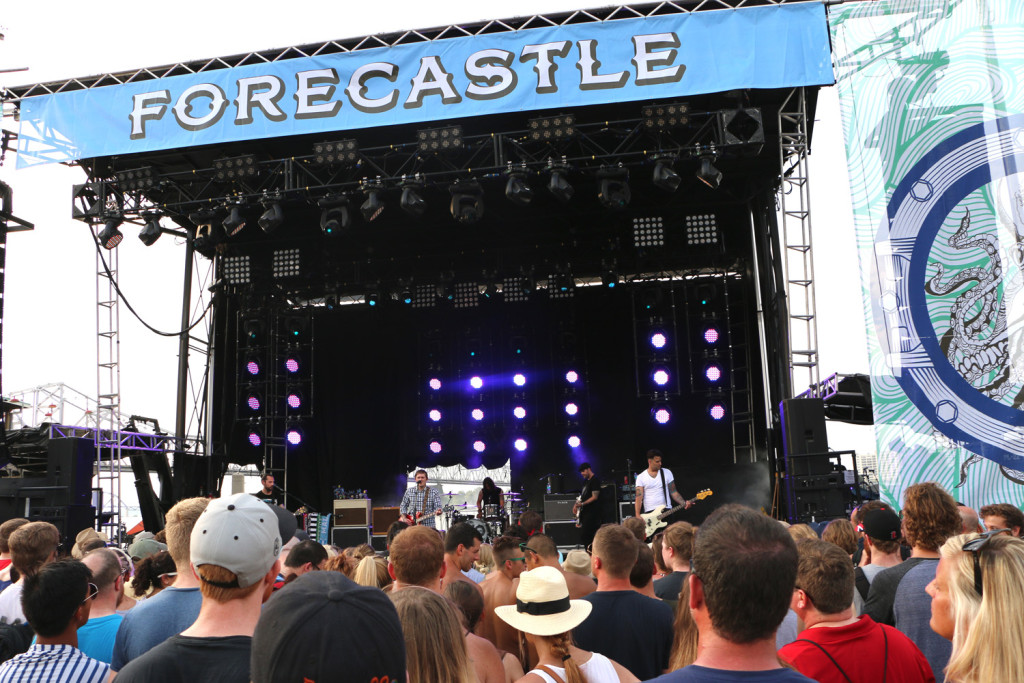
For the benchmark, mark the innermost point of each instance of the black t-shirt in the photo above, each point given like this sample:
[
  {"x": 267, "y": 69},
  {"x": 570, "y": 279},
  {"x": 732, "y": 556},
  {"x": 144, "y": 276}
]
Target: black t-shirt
[
  {"x": 669, "y": 586},
  {"x": 592, "y": 485},
  {"x": 184, "y": 659},
  {"x": 272, "y": 498},
  {"x": 632, "y": 629},
  {"x": 492, "y": 496}
]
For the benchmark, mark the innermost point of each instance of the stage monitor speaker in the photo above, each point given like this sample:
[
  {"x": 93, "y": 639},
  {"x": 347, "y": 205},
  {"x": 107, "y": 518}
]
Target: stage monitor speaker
[
  {"x": 70, "y": 463},
  {"x": 383, "y": 518},
  {"x": 803, "y": 426},
  {"x": 352, "y": 512},
  {"x": 815, "y": 505},
  {"x": 558, "y": 506},
  {"x": 563, "y": 533},
  {"x": 607, "y": 504},
  {"x": 349, "y": 536},
  {"x": 379, "y": 543},
  {"x": 69, "y": 520}
]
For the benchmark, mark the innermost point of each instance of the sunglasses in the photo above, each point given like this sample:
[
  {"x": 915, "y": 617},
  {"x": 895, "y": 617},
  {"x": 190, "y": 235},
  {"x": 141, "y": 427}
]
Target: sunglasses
[
  {"x": 517, "y": 559},
  {"x": 93, "y": 592},
  {"x": 975, "y": 546},
  {"x": 526, "y": 549}
]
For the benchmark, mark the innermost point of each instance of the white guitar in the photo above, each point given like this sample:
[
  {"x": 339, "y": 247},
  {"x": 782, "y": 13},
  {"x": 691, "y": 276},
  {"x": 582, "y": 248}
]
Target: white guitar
[{"x": 655, "y": 519}]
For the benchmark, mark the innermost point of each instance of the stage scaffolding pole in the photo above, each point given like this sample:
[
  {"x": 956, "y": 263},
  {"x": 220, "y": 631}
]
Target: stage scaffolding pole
[{"x": 183, "y": 349}]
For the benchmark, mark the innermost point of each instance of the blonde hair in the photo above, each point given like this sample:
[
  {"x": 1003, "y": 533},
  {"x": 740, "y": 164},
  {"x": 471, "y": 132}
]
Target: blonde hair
[
  {"x": 372, "y": 571},
  {"x": 180, "y": 520},
  {"x": 560, "y": 646},
  {"x": 684, "y": 643},
  {"x": 486, "y": 562},
  {"x": 840, "y": 532},
  {"x": 988, "y": 634},
  {"x": 435, "y": 646},
  {"x": 799, "y": 532}
]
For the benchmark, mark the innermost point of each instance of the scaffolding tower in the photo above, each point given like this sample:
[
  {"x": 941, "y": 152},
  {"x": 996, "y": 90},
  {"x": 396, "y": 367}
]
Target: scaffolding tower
[{"x": 107, "y": 491}]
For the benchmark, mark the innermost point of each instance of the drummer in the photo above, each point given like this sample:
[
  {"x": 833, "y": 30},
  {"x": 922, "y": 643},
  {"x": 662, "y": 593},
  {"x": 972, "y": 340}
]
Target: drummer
[{"x": 490, "y": 502}]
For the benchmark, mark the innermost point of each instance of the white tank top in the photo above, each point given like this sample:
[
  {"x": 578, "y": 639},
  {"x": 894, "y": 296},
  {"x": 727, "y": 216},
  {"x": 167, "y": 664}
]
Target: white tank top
[{"x": 597, "y": 669}]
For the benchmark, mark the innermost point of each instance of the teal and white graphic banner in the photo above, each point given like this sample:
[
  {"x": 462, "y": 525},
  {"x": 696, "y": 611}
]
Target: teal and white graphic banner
[
  {"x": 625, "y": 60},
  {"x": 932, "y": 94}
]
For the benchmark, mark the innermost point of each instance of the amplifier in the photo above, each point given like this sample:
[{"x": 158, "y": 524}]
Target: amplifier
[
  {"x": 352, "y": 512},
  {"x": 563, "y": 533},
  {"x": 349, "y": 536},
  {"x": 833, "y": 480},
  {"x": 627, "y": 510},
  {"x": 558, "y": 506},
  {"x": 379, "y": 543},
  {"x": 383, "y": 518}
]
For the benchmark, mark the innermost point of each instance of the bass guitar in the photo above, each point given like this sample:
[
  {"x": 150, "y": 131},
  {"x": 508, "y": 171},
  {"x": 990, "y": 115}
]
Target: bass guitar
[{"x": 655, "y": 519}]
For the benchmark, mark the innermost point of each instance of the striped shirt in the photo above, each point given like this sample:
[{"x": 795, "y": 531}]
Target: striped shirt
[
  {"x": 412, "y": 502},
  {"x": 53, "y": 664}
]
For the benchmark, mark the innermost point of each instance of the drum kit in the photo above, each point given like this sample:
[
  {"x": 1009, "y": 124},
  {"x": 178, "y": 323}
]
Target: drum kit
[{"x": 493, "y": 519}]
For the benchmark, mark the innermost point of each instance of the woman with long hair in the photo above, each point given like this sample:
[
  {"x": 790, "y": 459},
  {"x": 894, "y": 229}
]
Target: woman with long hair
[
  {"x": 435, "y": 644},
  {"x": 684, "y": 643},
  {"x": 490, "y": 495},
  {"x": 372, "y": 571},
  {"x": 546, "y": 616},
  {"x": 153, "y": 574},
  {"x": 976, "y": 596}
]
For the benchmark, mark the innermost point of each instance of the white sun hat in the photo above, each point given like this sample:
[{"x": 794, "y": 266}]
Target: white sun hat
[{"x": 543, "y": 607}]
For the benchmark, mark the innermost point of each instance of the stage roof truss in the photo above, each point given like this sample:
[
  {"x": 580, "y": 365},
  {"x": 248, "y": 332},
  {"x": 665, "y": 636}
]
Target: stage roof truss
[{"x": 17, "y": 93}]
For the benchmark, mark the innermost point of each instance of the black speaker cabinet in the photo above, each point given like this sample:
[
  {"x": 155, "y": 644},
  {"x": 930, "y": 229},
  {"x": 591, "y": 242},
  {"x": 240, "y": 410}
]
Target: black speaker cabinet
[
  {"x": 803, "y": 426},
  {"x": 379, "y": 543},
  {"x": 70, "y": 463},
  {"x": 558, "y": 506},
  {"x": 349, "y": 536},
  {"x": 563, "y": 533}
]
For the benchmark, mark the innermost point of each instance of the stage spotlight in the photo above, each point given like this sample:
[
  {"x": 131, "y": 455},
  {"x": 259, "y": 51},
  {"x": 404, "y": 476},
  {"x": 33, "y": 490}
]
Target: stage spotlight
[
  {"x": 448, "y": 139},
  {"x": 151, "y": 231},
  {"x": 517, "y": 190},
  {"x": 476, "y": 382},
  {"x": 293, "y": 435},
  {"x": 253, "y": 401},
  {"x": 477, "y": 414},
  {"x": 253, "y": 366},
  {"x": 234, "y": 221},
  {"x": 435, "y": 446},
  {"x": 573, "y": 441},
  {"x": 293, "y": 400},
  {"x": 613, "y": 187},
  {"x": 255, "y": 435},
  {"x": 520, "y": 444},
  {"x": 292, "y": 363},
  {"x": 411, "y": 202},
  {"x": 708, "y": 174},
  {"x": 716, "y": 410},
  {"x": 372, "y": 299},
  {"x": 374, "y": 204},
  {"x": 659, "y": 340},
  {"x": 661, "y": 414},
  {"x": 467, "y": 201},
  {"x": 335, "y": 217},
  {"x": 711, "y": 334},
  {"x": 273, "y": 216},
  {"x": 479, "y": 446},
  {"x": 337, "y": 152},
  {"x": 660, "y": 376},
  {"x": 550, "y": 128},
  {"x": 110, "y": 236},
  {"x": 519, "y": 412},
  {"x": 713, "y": 372},
  {"x": 519, "y": 379},
  {"x": 434, "y": 384},
  {"x": 609, "y": 278},
  {"x": 665, "y": 177},
  {"x": 572, "y": 377},
  {"x": 235, "y": 168},
  {"x": 434, "y": 415},
  {"x": 558, "y": 185},
  {"x": 571, "y": 409}
]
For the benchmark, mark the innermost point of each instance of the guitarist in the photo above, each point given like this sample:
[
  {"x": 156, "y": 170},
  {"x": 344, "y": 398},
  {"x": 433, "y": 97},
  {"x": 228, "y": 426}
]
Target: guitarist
[
  {"x": 655, "y": 485},
  {"x": 421, "y": 504},
  {"x": 586, "y": 509}
]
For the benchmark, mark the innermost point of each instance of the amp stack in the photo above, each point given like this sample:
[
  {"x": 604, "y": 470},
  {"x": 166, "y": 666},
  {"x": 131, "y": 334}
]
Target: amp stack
[
  {"x": 559, "y": 522},
  {"x": 351, "y": 522}
]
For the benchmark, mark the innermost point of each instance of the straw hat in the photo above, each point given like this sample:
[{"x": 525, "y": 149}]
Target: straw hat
[
  {"x": 577, "y": 561},
  {"x": 543, "y": 607}
]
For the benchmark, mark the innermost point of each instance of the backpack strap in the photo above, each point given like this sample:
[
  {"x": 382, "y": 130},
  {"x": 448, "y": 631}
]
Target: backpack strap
[
  {"x": 860, "y": 580},
  {"x": 550, "y": 672},
  {"x": 831, "y": 658}
]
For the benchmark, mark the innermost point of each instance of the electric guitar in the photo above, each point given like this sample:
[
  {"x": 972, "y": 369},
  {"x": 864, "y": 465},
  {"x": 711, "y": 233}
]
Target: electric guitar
[
  {"x": 655, "y": 519},
  {"x": 420, "y": 516}
]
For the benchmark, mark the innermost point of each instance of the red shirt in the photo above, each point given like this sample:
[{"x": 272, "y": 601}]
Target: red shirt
[{"x": 858, "y": 650}]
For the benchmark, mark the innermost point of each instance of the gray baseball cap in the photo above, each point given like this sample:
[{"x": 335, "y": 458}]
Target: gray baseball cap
[{"x": 238, "y": 533}]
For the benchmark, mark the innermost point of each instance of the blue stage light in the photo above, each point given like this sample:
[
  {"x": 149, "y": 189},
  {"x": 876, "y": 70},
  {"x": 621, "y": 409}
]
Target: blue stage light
[
  {"x": 476, "y": 382},
  {"x": 520, "y": 444},
  {"x": 434, "y": 415},
  {"x": 479, "y": 446},
  {"x": 477, "y": 414},
  {"x": 659, "y": 340},
  {"x": 519, "y": 412},
  {"x": 713, "y": 372},
  {"x": 519, "y": 379},
  {"x": 716, "y": 411},
  {"x": 435, "y": 446},
  {"x": 435, "y": 384},
  {"x": 661, "y": 414},
  {"x": 571, "y": 409},
  {"x": 574, "y": 441},
  {"x": 660, "y": 376},
  {"x": 572, "y": 377}
]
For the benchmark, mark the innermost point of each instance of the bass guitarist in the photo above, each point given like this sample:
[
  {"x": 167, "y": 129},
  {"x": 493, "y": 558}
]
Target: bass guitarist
[
  {"x": 655, "y": 486},
  {"x": 420, "y": 504}
]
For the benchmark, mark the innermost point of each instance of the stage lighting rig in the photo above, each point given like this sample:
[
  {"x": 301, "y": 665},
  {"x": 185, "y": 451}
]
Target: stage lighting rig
[
  {"x": 648, "y": 231},
  {"x": 234, "y": 222},
  {"x": 235, "y": 168},
  {"x": 273, "y": 215},
  {"x": 517, "y": 190},
  {"x": 110, "y": 236},
  {"x": 151, "y": 231},
  {"x": 702, "y": 230},
  {"x": 412, "y": 201},
  {"x": 374, "y": 204},
  {"x": 664, "y": 176},
  {"x": 338, "y": 152},
  {"x": 558, "y": 182},
  {"x": 551, "y": 128},
  {"x": 336, "y": 216},
  {"x": 665, "y": 116},
  {"x": 613, "y": 187},
  {"x": 136, "y": 179},
  {"x": 434, "y": 140},
  {"x": 88, "y": 200},
  {"x": 209, "y": 231},
  {"x": 708, "y": 173},
  {"x": 467, "y": 201}
]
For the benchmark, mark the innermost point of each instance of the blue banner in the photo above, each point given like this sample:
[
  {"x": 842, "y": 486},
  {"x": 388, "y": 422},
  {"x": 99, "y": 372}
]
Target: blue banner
[{"x": 575, "y": 65}]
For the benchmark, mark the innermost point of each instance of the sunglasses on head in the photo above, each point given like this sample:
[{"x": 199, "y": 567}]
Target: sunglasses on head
[{"x": 975, "y": 546}]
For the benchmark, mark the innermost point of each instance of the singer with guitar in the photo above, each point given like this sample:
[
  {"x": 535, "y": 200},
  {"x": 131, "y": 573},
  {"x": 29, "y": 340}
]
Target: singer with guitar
[
  {"x": 421, "y": 504},
  {"x": 586, "y": 509},
  {"x": 656, "y": 486}
]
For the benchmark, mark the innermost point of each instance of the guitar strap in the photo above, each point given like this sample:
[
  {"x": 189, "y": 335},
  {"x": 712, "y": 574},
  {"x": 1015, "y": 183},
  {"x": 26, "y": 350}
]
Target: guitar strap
[
  {"x": 423, "y": 503},
  {"x": 664, "y": 488}
]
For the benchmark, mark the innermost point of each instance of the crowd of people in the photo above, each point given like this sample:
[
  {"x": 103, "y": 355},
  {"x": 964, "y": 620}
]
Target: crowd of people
[{"x": 231, "y": 591}]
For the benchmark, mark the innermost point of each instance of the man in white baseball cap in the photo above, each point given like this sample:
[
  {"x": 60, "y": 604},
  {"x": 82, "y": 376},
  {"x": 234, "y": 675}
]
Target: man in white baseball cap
[{"x": 235, "y": 546}]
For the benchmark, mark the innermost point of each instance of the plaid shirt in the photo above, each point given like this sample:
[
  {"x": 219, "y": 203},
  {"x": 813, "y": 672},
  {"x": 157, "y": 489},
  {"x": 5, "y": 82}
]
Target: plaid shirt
[{"x": 412, "y": 502}]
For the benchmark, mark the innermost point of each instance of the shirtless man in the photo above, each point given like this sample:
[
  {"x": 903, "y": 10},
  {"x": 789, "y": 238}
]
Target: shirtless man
[
  {"x": 509, "y": 563},
  {"x": 461, "y": 549},
  {"x": 541, "y": 551}
]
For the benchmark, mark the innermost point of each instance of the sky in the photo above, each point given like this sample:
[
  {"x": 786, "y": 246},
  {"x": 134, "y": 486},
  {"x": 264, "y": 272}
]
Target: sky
[{"x": 50, "y": 321}]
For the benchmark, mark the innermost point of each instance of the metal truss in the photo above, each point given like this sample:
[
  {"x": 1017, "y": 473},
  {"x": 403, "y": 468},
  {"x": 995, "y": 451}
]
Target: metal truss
[
  {"x": 122, "y": 440},
  {"x": 16, "y": 94},
  {"x": 795, "y": 208},
  {"x": 824, "y": 390},
  {"x": 53, "y": 403}
]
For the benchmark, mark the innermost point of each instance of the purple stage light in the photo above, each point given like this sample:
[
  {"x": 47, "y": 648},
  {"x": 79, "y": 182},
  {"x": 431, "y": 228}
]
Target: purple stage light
[
  {"x": 435, "y": 446},
  {"x": 291, "y": 364},
  {"x": 435, "y": 384},
  {"x": 293, "y": 436},
  {"x": 574, "y": 441},
  {"x": 572, "y": 377},
  {"x": 476, "y": 414},
  {"x": 520, "y": 444},
  {"x": 253, "y": 367},
  {"x": 519, "y": 379},
  {"x": 660, "y": 377},
  {"x": 662, "y": 415},
  {"x": 711, "y": 335},
  {"x": 434, "y": 415},
  {"x": 571, "y": 408},
  {"x": 294, "y": 401},
  {"x": 658, "y": 340},
  {"x": 716, "y": 411},
  {"x": 519, "y": 412},
  {"x": 713, "y": 372},
  {"x": 476, "y": 382},
  {"x": 254, "y": 438},
  {"x": 479, "y": 446},
  {"x": 253, "y": 401}
]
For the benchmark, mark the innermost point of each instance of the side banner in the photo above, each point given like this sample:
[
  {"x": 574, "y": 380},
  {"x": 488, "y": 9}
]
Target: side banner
[
  {"x": 932, "y": 94},
  {"x": 575, "y": 65}
]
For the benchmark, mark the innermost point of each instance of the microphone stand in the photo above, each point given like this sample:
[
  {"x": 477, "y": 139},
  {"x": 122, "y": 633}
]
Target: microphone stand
[{"x": 301, "y": 502}]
